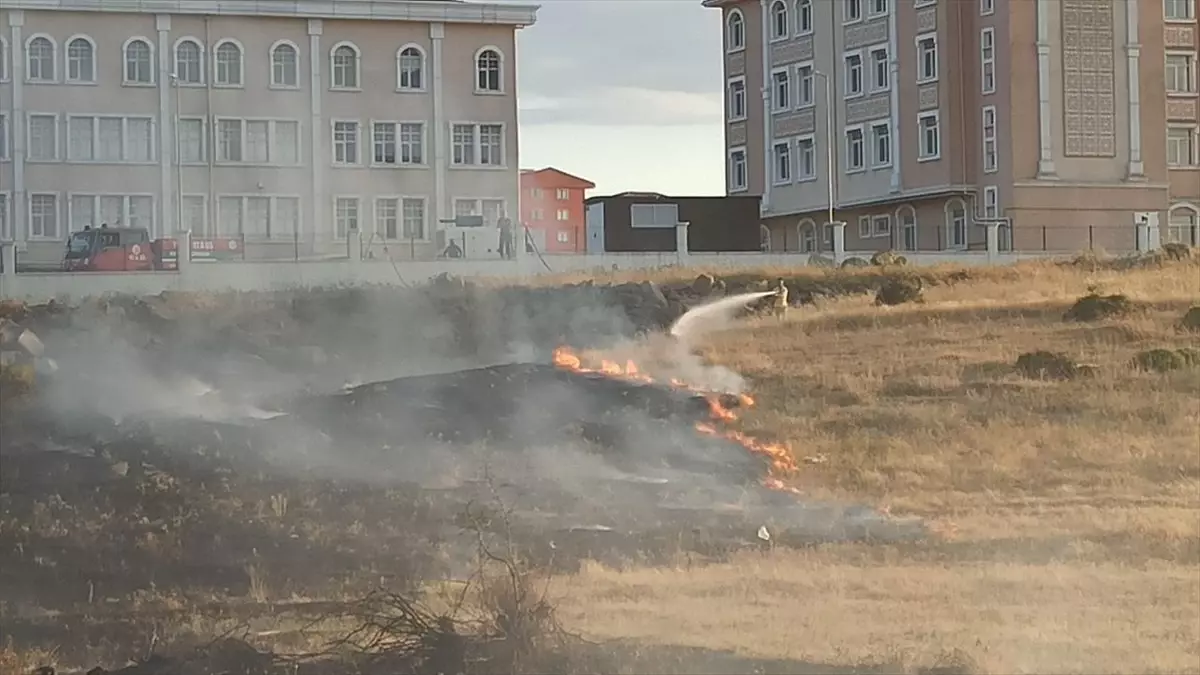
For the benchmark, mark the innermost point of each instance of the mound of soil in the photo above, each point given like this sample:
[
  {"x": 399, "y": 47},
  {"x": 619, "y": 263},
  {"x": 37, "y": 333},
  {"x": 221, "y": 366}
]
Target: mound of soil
[
  {"x": 1096, "y": 307},
  {"x": 899, "y": 291},
  {"x": 1050, "y": 365}
]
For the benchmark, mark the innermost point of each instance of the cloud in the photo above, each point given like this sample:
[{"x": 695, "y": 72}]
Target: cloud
[{"x": 617, "y": 105}]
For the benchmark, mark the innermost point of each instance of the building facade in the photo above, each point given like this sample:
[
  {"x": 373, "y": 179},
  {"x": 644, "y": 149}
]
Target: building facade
[
  {"x": 288, "y": 123},
  {"x": 916, "y": 121},
  {"x": 552, "y": 209},
  {"x": 648, "y": 222}
]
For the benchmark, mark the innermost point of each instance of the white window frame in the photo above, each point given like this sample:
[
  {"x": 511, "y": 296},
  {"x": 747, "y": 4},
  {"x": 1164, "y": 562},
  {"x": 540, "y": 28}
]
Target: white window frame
[
  {"x": 272, "y": 210},
  {"x": 987, "y": 63},
  {"x": 6, "y": 139},
  {"x": 358, "y": 142},
  {"x": 1189, "y": 11},
  {"x": 378, "y": 227},
  {"x": 987, "y": 7},
  {"x": 902, "y": 215},
  {"x": 358, "y": 215},
  {"x": 397, "y": 128},
  {"x": 204, "y": 140},
  {"x": 425, "y": 214},
  {"x": 96, "y": 117},
  {"x": 733, "y": 116},
  {"x": 924, "y": 3},
  {"x": 1193, "y": 135},
  {"x": 206, "y": 224},
  {"x": 215, "y": 60},
  {"x": 991, "y": 202},
  {"x": 782, "y": 174},
  {"x": 562, "y": 194},
  {"x": 801, "y": 7},
  {"x": 562, "y": 215},
  {"x": 272, "y": 122},
  {"x": 6, "y": 217},
  {"x": 58, "y": 216},
  {"x": 781, "y": 90},
  {"x": 812, "y": 85},
  {"x": 275, "y": 83},
  {"x": 864, "y": 227},
  {"x": 886, "y": 126},
  {"x": 851, "y": 131},
  {"x": 732, "y": 45},
  {"x": 58, "y": 136},
  {"x": 848, "y": 15},
  {"x": 1189, "y": 83},
  {"x": 950, "y": 245},
  {"x": 476, "y": 139},
  {"x": 881, "y": 232},
  {"x": 126, "y": 199},
  {"x": 991, "y": 146},
  {"x": 90, "y": 78},
  {"x": 808, "y": 235},
  {"x": 875, "y": 87},
  {"x": 5, "y": 59},
  {"x": 203, "y": 65},
  {"x": 333, "y": 84},
  {"x": 745, "y": 184},
  {"x": 422, "y": 72},
  {"x": 773, "y": 21},
  {"x": 922, "y": 156},
  {"x": 125, "y": 79},
  {"x": 801, "y": 176},
  {"x": 57, "y": 75},
  {"x": 477, "y": 207},
  {"x": 500, "y": 83},
  {"x": 873, "y": 10},
  {"x": 923, "y": 78},
  {"x": 848, "y": 69}
]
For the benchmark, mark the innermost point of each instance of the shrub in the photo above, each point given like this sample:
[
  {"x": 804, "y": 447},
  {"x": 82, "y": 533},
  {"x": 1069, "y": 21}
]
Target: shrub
[
  {"x": 900, "y": 290},
  {"x": 1095, "y": 307},
  {"x": 1166, "y": 360},
  {"x": 1049, "y": 365}
]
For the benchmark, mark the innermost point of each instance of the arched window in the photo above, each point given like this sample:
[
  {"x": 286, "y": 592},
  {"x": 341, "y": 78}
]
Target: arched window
[
  {"x": 906, "y": 221},
  {"x": 344, "y": 66},
  {"x": 39, "y": 59},
  {"x": 779, "y": 20},
  {"x": 139, "y": 61},
  {"x": 488, "y": 70},
  {"x": 227, "y": 64},
  {"x": 808, "y": 236},
  {"x": 1183, "y": 225},
  {"x": 956, "y": 225},
  {"x": 735, "y": 30},
  {"x": 285, "y": 65},
  {"x": 410, "y": 68},
  {"x": 81, "y": 59},
  {"x": 189, "y": 61},
  {"x": 804, "y": 17},
  {"x": 764, "y": 238}
]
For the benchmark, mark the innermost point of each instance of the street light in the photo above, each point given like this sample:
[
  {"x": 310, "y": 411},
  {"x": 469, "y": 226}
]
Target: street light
[{"x": 829, "y": 173}]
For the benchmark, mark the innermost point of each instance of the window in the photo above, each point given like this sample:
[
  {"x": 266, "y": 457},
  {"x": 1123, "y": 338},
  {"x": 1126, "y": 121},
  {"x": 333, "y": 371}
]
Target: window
[
  {"x": 783, "y": 163},
  {"x": 3, "y": 59},
  {"x": 779, "y": 20},
  {"x": 1181, "y": 146},
  {"x": 735, "y": 31},
  {"x": 345, "y": 216},
  {"x": 990, "y": 161},
  {"x": 493, "y": 209},
  {"x": 258, "y": 141},
  {"x": 881, "y": 144},
  {"x": 536, "y": 193},
  {"x": 804, "y": 86},
  {"x": 43, "y": 137},
  {"x": 258, "y": 216},
  {"x": 806, "y": 158},
  {"x": 562, "y": 194},
  {"x": 191, "y": 140},
  {"x": 488, "y": 70},
  {"x": 879, "y": 7},
  {"x": 737, "y": 170},
  {"x": 737, "y": 99},
  {"x": 563, "y": 237},
  {"x": 854, "y": 75},
  {"x": 413, "y": 211},
  {"x": 654, "y": 215},
  {"x": 855, "y": 157},
  {"x": 410, "y": 69},
  {"x": 987, "y": 60},
  {"x": 189, "y": 62},
  {"x": 987, "y": 7},
  {"x": 1180, "y": 75},
  {"x": 4, "y": 136},
  {"x": 5, "y": 219},
  {"x": 477, "y": 144},
  {"x": 907, "y": 217},
  {"x": 930, "y": 137},
  {"x": 1177, "y": 10},
  {"x": 398, "y": 143},
  {"x": 804, "y": 16},
  {"x": 344, "y": 63},
  {"x": 345, "y": 142},
  {"x": 781, "y": 90},
  {"x": 387, "y": 218},
  {"x": 956, "y": 224},
  {"x": 881, "y": 226},
  {"x": 991, "y": 202},
  {"x": 94, "y": 210},
  {"x": 562, "y": 215},
  {"x": 538, "y": 214},
  {"x": 864, "y": 227},
  {"x": 285, "y": 66},
  {"x": 81, "y": 60},
  {"x": 195, "y": 219},
  {"x": 39, "y": 59},
  {"x": 879, "y": 69},
  {"x": 139, "y": 61},
  {"x": 927, "y": 58},
  {"x": 808, "y": 236},
  {"x": 851, "y": 10},
  {"x": 1183, "y": 226},
  {"x": 227, "y": 64},
  {"x": 43, "y": 216},
  {"x": 110, "y": 139}
]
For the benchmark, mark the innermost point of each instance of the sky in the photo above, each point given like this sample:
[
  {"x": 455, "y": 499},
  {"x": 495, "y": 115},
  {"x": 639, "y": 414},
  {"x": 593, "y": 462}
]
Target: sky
[{"x": 625, "y": 93}]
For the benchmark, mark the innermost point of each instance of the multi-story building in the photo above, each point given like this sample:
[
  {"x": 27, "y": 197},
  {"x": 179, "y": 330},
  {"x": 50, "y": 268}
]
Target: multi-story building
[
  {"x": 915, "y": 121},
  {"x": 552, "y": 209},
  {"x": 288, "y": 123}
]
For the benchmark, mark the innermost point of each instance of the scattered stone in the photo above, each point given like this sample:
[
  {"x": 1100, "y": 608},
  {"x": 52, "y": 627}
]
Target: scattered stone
[
  {"x": 1096, "y": 307},
  {"x": 854, "y": 262},
  {"x": 888, "y": 258},
  {"x": 1191, "y": 319},
  {"x": 899, "y": 290},
  {"x": 1166, "y": 360},
  {"x": 1044, "y": 365},
  {"x": 703, "y": 285}
]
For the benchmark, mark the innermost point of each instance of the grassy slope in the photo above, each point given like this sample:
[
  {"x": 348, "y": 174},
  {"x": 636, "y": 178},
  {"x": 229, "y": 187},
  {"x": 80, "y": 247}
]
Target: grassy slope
[{"x": 1073, "y": 508}]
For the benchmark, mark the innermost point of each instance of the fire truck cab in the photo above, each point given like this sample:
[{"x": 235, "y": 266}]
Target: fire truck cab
[{"x": 118, "y": 249}]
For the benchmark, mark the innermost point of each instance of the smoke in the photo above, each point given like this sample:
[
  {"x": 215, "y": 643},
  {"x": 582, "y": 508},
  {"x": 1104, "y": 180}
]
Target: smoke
[{"x": 712, "y": 316}]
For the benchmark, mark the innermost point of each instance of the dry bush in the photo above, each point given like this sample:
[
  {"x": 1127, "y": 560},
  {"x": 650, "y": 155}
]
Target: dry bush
[
  {"x": 1049, "y": 365},
  {"x": 1166, "y": 360},
  {"x": 1191, "y": 319},
  {"x": 900, "y": 290},
  {"x": 1096, "y": 307}
]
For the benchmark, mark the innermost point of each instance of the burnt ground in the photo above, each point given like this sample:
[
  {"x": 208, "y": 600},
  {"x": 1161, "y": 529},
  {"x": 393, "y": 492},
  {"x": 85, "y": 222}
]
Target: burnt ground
[{"x": 133, "y": 502}]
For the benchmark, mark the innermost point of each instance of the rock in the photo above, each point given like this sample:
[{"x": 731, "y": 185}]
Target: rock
[
  {"x": 703, "y": 285},
  {"x": 900, "y": 290},
  {"x": 886, "y": 258},
  {"x": 14, "y": 337},
  {"x": 855, "y": 262}
]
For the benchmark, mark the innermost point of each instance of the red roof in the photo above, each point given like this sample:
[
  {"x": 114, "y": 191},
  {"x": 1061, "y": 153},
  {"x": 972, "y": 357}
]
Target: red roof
[{"x": 551, "y": 177}]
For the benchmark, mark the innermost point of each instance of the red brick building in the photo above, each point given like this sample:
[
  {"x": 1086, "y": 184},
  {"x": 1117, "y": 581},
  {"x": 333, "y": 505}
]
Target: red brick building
[{"x": 552, "y": 209}]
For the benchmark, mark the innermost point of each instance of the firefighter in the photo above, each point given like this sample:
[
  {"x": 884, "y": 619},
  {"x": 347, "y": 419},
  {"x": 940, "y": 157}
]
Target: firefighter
[{"x": 779, "y": 301}]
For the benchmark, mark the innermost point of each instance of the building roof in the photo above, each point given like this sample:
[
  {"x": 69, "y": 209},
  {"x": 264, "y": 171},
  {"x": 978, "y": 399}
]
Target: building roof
[{"x": 566, "y": 179}]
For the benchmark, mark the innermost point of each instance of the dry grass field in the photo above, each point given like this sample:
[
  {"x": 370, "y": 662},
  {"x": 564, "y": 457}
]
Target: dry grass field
[{"x": 1071, "y": 508}]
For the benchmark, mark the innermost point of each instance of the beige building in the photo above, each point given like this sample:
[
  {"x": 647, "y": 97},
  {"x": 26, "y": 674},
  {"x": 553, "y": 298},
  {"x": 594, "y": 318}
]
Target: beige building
[
  {"x": 288, "y": 123},
  {"x": 1066, "y": 120}
]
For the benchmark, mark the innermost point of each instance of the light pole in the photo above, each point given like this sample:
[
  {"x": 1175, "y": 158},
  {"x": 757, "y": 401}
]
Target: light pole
[
  {"x": 829, "y": 168},
  {"x": 178, "y": 157}
]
